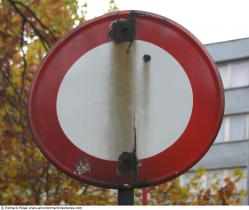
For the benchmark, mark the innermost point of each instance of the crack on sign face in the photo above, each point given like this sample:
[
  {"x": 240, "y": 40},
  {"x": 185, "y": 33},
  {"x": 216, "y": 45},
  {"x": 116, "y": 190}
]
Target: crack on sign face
[
  {"x": 123, "y": 30},
  {"x": 128, "y": 161},
  {"x": 82, "y": 166}
]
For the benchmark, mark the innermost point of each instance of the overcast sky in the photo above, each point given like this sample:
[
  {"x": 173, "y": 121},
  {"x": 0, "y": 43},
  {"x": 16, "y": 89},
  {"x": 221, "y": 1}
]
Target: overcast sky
[{"x": 209, "y": 20}]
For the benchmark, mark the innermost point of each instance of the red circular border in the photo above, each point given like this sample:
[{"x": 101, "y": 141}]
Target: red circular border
[{"x": 207, "y": 114}]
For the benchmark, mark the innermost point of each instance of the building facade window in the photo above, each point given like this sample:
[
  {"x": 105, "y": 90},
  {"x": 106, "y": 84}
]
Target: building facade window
[
  {"x": 221, "y": 135},
  {"x": 237, "y": 127},
  {"x": 234, "y": 128},
  {"x": 234, "y": 73}
]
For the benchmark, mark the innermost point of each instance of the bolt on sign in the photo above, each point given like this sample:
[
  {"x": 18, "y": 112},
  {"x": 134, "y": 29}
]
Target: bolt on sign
[{"x": 129, "y": 99}]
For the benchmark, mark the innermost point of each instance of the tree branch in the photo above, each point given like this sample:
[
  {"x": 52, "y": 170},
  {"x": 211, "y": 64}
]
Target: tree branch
[
  {"x": 23, "y": 59},
  {"x": 38, "y": 33},
  {"x": 37, "y": 19},
  {"x": 6, "y": 77}
]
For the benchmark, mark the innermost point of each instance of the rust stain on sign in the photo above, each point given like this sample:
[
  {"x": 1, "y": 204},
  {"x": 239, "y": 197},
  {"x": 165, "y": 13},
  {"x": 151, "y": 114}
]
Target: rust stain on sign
[{"x": 128, "y": 160}]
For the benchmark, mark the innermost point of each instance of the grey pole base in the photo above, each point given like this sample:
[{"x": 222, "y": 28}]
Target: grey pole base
[{"x": 126, "y": 197}]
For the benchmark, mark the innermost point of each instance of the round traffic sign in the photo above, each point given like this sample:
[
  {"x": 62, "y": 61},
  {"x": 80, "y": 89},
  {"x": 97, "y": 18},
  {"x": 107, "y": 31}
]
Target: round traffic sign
[{"x": 129, "y": 99}]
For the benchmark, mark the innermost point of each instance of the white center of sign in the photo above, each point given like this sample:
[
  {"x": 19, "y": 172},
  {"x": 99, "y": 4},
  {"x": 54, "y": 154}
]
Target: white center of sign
[{"x": 112, "y": 100}]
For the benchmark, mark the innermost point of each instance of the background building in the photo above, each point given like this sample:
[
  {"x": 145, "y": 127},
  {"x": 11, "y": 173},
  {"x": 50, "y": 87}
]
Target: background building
[{"x": 231, "y": 147}]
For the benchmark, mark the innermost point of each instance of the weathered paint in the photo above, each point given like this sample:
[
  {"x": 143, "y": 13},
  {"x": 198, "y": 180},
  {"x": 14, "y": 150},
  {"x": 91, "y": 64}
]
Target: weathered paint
[
  {"x": 97, "y": 105},
  {"x": 177, "y": 155}
]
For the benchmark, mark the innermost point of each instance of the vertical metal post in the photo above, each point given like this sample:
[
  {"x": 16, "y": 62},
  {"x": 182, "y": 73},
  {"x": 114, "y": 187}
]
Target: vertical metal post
[
  {"x": 126, "y": 196},
  {"x": 145, "y": 196}
]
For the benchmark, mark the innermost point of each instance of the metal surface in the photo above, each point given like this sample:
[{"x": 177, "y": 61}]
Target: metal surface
[
  {"x": 120, "y": 93},
  {"x": 130, "y": 112}
]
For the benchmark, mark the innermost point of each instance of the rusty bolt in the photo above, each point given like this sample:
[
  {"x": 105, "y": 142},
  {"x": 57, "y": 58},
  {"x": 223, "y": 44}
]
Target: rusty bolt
[{"x": 146, "y": 58}]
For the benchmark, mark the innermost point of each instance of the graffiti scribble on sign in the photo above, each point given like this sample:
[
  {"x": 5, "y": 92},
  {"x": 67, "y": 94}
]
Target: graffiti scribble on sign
[{"x": 82, "y": 167}]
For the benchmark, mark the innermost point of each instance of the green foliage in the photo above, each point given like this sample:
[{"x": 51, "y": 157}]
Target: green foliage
[
  {"x": 112, "y": 6},
  {"x": 27, "y": 31}
]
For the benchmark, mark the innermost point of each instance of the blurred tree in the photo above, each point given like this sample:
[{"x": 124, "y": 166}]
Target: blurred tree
[
  {"x": 112, "y": 6},
  {"x": 222, "y": 191},
  {"x": 27, "y": 31}
]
